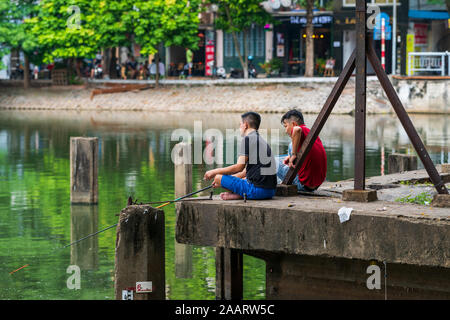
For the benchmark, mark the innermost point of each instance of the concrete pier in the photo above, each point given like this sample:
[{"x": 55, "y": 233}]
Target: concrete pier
[
  {"x": 140, "y": 252},
  {"x": 310, "y": 254},
  {"x": 83, "y": 170},
  {"x": 183, "y": 186}
]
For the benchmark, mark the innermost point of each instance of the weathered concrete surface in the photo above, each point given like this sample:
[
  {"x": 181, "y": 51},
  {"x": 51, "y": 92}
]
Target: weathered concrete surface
[
  {"x": 298, "y": 277},
  {"x": 424, "y": 95},
  {"x": 401, "y": 162},
  {"x": 441, "y": 201},
  {"x": 140, "y": 251},
  {"x": 401, "y": 233},
  {"x": 359, "y": 195},
  {"x": 391, "y": 186},
  {"x": 83, "y": 170},
  {"x": 446, "y": 168}
]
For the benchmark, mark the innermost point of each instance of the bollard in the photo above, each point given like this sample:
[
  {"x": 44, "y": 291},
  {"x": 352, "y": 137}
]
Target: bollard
[
  {"x": 83, "y": 170},
  {"x": 401, "y": 162},
  {"x": 140, "y": 254},
  {"x": 183, "y": 186}
]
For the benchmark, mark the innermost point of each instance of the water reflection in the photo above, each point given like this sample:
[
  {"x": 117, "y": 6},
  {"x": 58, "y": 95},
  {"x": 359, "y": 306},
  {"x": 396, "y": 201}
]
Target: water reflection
[
  {"x": 135, "y": 160},
  {"x": 84, "y": 221}
]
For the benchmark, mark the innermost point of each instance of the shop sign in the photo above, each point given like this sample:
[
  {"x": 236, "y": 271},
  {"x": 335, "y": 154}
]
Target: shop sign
[
  {"x": 209, "y": 58},
  {"x": 420, "y": 33},
  {"x": 387, "y": 26},
  {"x": 318, "y": 21},
  {"x": 280, "y": 45}
]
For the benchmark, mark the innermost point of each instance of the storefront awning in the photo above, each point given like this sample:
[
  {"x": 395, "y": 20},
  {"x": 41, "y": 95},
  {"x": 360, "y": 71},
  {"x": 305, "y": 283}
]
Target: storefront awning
[{"x": 431, "y": 15}]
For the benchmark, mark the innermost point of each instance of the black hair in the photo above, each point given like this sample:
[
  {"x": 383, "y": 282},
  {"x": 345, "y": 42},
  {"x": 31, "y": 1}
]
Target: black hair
[
  {"x": 293, "y": 115},
  {"x": 253, "y": 119}
]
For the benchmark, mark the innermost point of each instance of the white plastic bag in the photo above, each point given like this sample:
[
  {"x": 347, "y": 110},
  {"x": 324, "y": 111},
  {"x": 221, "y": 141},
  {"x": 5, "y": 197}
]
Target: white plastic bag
[{"x": 344, "y": 214}]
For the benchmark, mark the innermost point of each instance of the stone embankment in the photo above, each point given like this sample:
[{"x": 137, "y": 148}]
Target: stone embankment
[{"x": 221, "y": 96}]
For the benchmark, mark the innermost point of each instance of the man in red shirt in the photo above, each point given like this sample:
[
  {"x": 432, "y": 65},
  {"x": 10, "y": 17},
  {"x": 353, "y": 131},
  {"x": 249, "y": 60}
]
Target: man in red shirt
[{"x": 314, "y": 169}]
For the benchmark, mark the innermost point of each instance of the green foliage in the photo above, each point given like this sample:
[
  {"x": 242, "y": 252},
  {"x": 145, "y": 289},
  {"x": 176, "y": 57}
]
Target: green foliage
[
  {"x": 51, "y": 29},
  {"x": 14, "y": 31},
  {"x": 423, "y": 198},
  {"x": 240, "y": 15},
  {"x": 113, "y": 23},
  {"x": 174, "y": 23},
  {"x": 272, "y": 66}
]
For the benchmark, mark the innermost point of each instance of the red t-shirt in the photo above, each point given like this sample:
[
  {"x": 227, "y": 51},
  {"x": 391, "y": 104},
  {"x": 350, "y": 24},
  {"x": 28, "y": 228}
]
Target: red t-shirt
[{"x": 314, "y": 169}]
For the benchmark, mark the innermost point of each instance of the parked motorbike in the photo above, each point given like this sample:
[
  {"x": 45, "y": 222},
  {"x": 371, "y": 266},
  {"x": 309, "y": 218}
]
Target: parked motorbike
[
  {"x": 221, "y": 73},
  {"x": 98, "y": 72},
  {"x": 238, "y": 73},
  {"x": 251, "y": 68}
]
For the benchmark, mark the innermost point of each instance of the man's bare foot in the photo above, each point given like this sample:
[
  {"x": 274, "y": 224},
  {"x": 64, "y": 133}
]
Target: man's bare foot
[{"x": 230, "y": 196}]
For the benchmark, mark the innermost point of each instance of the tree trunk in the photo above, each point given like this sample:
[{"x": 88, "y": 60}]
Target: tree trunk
[
  {"x": 26, "y": 72},
  {"x": 106, "y": 63},
  {"x": 69, "y": 70},
  {"x": 157, "y": 70},
  {"x": 245, "y": 54},
  {"x": 235, "y": 40},
  {"x": 78, "y": 64},
  {"x": 309, "y": 63}
]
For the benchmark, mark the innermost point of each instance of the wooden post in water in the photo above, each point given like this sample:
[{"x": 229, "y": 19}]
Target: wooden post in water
[
  {"x": 140, "y": 253},
  {"x": 229, "y": 274},
  {"x": 83, "y": 170},
  {"x": 183, "y": 186},
  {"x": 401, "y": 162}
]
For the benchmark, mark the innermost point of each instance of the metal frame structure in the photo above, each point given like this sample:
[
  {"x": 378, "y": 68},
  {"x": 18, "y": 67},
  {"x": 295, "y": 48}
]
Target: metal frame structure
[{"x": 364, "y": 48}]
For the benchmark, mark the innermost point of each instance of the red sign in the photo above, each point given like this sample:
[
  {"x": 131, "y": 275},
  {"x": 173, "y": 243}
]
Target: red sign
[
  {"x": 209, "y": 60},
  {"x": 420, "y": 33}
]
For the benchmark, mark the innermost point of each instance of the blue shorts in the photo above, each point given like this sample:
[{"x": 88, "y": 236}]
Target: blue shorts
[{"x": 241, "y": 186}]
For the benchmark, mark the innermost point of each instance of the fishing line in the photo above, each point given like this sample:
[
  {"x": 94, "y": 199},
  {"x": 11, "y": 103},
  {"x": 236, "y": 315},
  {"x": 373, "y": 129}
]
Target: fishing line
[{"x": 114, "y": 225}]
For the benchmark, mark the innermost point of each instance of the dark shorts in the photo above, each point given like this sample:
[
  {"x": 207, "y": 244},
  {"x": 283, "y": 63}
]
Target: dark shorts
[{"x": 241, "y": 186}]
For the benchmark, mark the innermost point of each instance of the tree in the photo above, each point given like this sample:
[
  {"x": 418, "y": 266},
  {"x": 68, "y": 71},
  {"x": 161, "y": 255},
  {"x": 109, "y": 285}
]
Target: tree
[
  {"x": 168, "y": 22},
  {"x": 64, "y": 29},
  {"x": 309, "y": 59},
  {"x": 110, "y": 19},
  {"x": 14, "y": 32},
  {"x": 238, "y": 16}
]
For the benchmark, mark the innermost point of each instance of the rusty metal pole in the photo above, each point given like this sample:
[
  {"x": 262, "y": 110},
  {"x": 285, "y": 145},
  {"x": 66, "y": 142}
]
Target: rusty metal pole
[
  {"x": 406, "y": 121},
  {"x": 322, "y": 118},
  {"x": 360, "y": 96}
]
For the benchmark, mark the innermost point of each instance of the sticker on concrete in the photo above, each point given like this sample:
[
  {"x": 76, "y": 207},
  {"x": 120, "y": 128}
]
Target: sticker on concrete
[
  {"x": 344, "y": 214},
  {"x": 127, "y": 294},
  {"x": 144, "y": 287}
]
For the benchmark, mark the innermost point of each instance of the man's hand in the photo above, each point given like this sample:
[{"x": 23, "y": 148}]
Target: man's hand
[
  {"x": 209, "y": 175},
  {"x": 286, "y": 160},
  {"x": 292, "y": 160}
]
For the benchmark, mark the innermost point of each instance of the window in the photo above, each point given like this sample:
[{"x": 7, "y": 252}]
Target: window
[{"x": 255, "y": 43}]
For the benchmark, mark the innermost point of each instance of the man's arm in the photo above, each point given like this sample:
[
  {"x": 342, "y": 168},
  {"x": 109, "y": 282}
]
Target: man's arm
[
  {"x": 235, "y": 168},
  {"x": 241, "y": 174},
  {"x": 296, "y": 138}
]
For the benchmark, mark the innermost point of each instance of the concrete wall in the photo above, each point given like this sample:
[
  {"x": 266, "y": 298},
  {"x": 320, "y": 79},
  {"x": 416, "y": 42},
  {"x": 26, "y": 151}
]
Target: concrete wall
[{"x": 429, "y": 96}]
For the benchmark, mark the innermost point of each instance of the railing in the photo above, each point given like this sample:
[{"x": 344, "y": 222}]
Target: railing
[{"x": 428, "y": 62}]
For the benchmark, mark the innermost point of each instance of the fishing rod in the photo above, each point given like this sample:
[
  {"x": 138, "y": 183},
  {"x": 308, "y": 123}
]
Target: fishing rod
[
  {"x": 165, "y": 203},
  {"x": 114, "y": 225}
]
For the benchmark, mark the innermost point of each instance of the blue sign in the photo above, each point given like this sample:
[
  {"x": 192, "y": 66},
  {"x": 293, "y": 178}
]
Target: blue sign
[{"x": 387, "y": 27}]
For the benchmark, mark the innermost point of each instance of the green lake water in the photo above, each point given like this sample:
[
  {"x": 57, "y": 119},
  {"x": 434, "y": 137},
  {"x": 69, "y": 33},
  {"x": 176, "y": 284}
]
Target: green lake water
[{"x": 37, "y": 219}]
